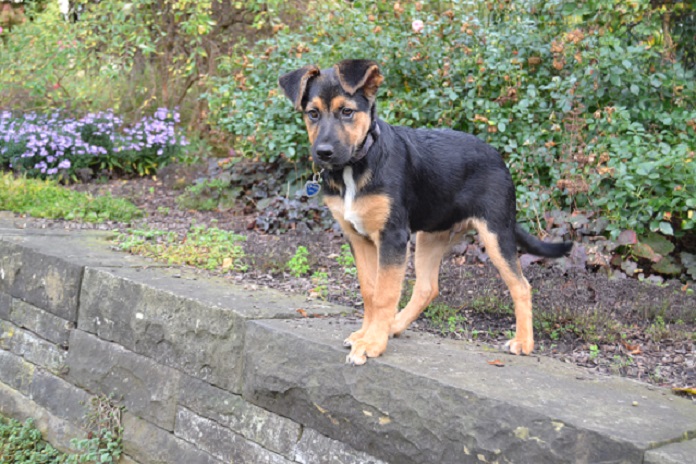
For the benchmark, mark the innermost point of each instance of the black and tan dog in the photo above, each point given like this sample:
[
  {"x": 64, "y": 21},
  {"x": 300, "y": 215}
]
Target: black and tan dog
[{"x": 384, "y": 182}]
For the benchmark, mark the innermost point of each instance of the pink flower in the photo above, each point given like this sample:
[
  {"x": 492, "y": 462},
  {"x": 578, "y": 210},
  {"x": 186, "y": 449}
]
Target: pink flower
[
  {"x": 0, "y": 29},
  {"x": 417, "y": 25}
]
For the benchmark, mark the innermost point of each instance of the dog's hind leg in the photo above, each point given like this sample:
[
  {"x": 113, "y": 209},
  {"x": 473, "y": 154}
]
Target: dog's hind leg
[
  {"x": 430, "y": 248},
  {"x": 501, "y": 248}
]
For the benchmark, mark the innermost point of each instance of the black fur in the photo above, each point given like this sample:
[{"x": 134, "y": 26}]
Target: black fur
[{"x": 434, "y": 178}]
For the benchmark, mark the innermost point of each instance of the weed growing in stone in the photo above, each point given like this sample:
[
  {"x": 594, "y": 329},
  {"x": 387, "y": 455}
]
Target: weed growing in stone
[
  {"x": 208, "y": 248},
  {"x": 22, "y": 443}
]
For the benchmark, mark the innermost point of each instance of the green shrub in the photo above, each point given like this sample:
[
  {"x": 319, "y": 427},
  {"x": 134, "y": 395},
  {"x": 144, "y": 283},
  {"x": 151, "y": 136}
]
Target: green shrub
[{"x": 588, "y": 114}]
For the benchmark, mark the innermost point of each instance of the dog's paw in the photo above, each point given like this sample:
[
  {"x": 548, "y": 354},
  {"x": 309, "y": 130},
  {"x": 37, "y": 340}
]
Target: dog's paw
[
  {"x": 352, "y": 338},
  {"x": 520, "y": 346},
  {"x": 365, "y": 348}
]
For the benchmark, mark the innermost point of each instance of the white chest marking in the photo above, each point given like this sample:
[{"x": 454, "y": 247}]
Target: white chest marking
[{"x": 349, "y": 214}]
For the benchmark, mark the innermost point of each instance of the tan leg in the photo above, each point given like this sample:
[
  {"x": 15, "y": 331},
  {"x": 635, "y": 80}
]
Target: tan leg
[
  {"x": 520, "y": 290},
  {"x": 365, "y": 254},
  {"x": 430, "y": 248},
  {"x": 385, "y": 299}
]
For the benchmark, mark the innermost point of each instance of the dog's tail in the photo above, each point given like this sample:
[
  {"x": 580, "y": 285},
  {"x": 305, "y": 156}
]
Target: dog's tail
[{"x": 534, "y": 246}]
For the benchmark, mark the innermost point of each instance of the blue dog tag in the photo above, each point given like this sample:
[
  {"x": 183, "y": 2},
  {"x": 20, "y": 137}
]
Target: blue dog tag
[{"x": 312, "y": 188}]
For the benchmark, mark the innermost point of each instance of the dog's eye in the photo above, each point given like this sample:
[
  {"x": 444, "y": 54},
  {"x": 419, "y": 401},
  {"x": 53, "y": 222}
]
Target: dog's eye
[
  {"x": 347, "y": 112},
  {"x": 313, "y": 115}
]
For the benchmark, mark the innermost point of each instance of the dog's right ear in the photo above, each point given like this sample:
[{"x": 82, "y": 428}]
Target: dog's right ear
[{"x": 294, "y": 83}]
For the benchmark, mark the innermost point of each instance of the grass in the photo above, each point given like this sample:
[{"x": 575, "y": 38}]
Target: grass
[
  {"x": 48, "y": 199},
  {"x": 204, "y": 247}
]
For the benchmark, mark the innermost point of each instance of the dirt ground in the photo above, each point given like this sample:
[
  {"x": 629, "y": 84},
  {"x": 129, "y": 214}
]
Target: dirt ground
[{"x": 627, "y": 327}]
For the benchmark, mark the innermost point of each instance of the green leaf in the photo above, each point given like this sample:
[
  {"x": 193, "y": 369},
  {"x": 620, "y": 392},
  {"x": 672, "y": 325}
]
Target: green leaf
[{"x": 667, "y": 266}]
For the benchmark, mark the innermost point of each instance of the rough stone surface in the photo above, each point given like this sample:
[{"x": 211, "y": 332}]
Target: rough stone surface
[
  {"x": 424, "y": 402},
  {"x": 270, "y": 430},
  {"x": 49, "y": 282},
  {"x": 46, "y": 325},
  {"x": 676, "y": 453},
  {"x": 150, "y": 444},
  {"x": 315, "y": 448},
  {"x": 15, "y": 372},
  {"x": 10, "y": 262},
  {"x": 5, "y": 305},
  {"x": 193, "y": 325},
  {"x": 146, "y": 388},
  {"x": 32, "y": 348},
  {"x": 55, "y": 430},
  {"x": 60, "y": 398},
  {"x": 221, "y": 442}
]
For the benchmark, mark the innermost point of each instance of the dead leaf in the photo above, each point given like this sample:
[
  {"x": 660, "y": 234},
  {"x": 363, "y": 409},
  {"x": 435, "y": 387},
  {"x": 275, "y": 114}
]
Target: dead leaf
[
  {"x": 632, "y": 349},
  {"x": 496, "y": 363},
  {"x": 687, "y": 391},
  {"x": 302, "y": 312}
]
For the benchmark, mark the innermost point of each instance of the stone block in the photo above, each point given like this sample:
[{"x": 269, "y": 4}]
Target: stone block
[
  {"x": 32, "y": 348},
  {"x": 5, "y": 306},
  {"x": 145, "y": 442},
  {"x": 220, "y": 441},
  {"x": 59, "y": 397},
  {"x": 15, "y": 372},
  {"x": 146, "y": 388},
  {"x": 428, "y": 402},
  {"x": 196, "y": 326},
  {"x": 315, "y": 448},
  {"x": 58, "y": 432},
  {"x": 10, "y": 262},
  {"x": 49, "y": 282},
  {"x": 675, "y": 453},
  {"x": 46, "y": 325},
  {"x": 270, "y": 430}
]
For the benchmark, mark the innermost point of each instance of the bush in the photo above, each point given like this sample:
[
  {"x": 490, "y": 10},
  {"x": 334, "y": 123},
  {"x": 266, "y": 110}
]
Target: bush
[
  {"x": 581, "y": 98},
  {"x": 53, "y": 145}
]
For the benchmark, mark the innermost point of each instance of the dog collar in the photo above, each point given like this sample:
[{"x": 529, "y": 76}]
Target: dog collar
[{"x": 372, "y": 135}]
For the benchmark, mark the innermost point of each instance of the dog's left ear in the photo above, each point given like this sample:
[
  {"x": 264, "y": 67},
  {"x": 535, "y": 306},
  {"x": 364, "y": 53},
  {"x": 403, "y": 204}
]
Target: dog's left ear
[
  {"x": 359, "y": 74},
  {"x": 294, "y": 83}
]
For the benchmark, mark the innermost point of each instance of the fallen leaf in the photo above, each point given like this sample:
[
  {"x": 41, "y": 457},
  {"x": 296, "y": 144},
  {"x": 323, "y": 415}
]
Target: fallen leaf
[
  {"x": 688, "y": 391},
  {"x": 302, "y": 312},
  {"x": 496, "y": 363},
  {"x": 632, "y": 349}
]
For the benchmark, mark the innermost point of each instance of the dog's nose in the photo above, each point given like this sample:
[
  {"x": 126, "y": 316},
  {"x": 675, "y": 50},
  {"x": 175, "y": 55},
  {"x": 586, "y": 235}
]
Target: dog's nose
[{"x": 324, "y": 151}]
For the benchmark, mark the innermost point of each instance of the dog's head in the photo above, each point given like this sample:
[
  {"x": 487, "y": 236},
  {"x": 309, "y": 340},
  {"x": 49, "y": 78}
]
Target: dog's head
[{"x": 337, "y": 105}]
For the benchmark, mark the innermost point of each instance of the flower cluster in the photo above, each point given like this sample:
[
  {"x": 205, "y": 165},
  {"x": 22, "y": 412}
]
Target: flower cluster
[{"x": 51, "y": 145}]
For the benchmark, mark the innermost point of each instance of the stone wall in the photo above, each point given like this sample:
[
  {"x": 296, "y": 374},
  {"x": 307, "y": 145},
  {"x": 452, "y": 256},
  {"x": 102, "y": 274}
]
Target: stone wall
[{"x": 211, "y": 372}]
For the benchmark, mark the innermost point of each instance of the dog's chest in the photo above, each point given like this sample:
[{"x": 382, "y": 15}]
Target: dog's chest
[
  {"x": 350, "y": 212},
  {"x": 362, "y": 214}
]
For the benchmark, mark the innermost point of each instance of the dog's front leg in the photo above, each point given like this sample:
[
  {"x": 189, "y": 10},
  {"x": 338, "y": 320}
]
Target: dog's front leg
[
  {"x": 365, "y": 254},
  {"x": 379, "y": 314}
]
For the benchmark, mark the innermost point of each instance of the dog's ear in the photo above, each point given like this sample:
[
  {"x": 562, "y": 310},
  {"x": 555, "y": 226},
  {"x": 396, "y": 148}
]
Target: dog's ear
[
  {"x": 294, "y": 83},
  {"x": 359, "y": 74}
]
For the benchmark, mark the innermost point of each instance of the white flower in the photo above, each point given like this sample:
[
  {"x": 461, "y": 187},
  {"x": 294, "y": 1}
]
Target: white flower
[
  {"x": 64, "y": 7},
  {"x": 417, "y": 25}
]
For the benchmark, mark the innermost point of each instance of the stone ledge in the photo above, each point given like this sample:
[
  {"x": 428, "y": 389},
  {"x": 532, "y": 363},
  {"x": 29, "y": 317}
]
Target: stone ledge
[
  {"x": 171, "y": 332},
  {"x": 429, "y": 400}
]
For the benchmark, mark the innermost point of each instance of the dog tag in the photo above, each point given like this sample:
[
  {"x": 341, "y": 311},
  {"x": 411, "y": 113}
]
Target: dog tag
[{"x": 312, "y": 187}]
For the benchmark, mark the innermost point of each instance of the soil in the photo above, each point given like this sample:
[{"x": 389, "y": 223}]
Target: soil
[{"x": 637, "y": 329}]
